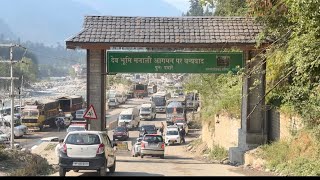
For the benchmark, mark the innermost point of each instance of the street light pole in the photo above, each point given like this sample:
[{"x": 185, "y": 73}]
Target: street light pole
[{"x": 12, "y": 99}]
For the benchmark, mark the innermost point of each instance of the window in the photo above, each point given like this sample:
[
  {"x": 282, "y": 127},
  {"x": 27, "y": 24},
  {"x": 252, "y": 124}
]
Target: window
[
  {"x": 83, "y": 139},
  {"x": 172, "y": 133},
  {"x": 155, "y": 139}
]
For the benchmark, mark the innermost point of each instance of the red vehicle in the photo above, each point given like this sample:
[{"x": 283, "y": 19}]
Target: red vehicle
[{"x": 140, "y": 90}]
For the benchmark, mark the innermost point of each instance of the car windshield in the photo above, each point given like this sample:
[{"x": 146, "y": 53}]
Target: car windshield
[
  {"x": 145, "y": 109},
  {"x": 171, "y": 110},
  {"x": 155, "y": 139},
  {"x": 83, "y": 139},
  {"x": 148, "y": 128},
  {"x": 76, "y": 128},
  {"x": 120, "y": 129},
  {"x": 172, "y": 133},
  {"x": 128, "y": 117}
]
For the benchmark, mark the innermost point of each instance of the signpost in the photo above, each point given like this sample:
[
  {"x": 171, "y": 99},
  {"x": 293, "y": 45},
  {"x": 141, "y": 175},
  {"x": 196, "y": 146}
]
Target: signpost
[
  {"x": 173, "y": 62},
  {"x": 90, "y": 114}
]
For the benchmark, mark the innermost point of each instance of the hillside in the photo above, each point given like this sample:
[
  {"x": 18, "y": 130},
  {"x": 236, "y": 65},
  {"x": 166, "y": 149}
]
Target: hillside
[{"x": 50, "y": 22}]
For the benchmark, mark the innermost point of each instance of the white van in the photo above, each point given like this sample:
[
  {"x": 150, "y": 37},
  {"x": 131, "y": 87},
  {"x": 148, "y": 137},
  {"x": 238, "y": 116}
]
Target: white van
[
  {"x": 129, "y": 118},
  {"x": 148, "y": 111}
]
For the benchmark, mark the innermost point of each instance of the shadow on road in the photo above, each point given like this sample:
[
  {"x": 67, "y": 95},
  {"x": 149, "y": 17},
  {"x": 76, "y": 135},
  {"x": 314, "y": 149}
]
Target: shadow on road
[
  {"x": 168, "y": 159},
  {"x": 121, "y": 174}
]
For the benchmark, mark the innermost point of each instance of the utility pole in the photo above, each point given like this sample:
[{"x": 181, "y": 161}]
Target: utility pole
[{"x": 12, "y": 62}]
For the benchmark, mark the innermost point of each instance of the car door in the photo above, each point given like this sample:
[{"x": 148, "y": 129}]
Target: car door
[{"x": 109, "y": 151}]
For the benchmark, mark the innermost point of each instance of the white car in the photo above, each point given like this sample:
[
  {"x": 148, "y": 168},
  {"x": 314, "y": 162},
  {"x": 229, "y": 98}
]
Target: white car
[
  {"x": 4, "y": 138},
  {"x": 87, "y": 150},
  {"x": 76, "y": 127},
  {"x": 172, "y": 135}
]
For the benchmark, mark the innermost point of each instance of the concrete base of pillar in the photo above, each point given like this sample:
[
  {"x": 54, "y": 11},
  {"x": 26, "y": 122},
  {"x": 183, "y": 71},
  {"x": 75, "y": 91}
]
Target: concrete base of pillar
[{"x": 246, "y": 142}]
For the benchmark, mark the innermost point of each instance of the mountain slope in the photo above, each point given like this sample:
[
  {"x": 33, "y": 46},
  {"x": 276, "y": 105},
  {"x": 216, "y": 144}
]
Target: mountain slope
[{"x": 52, "y": 21}]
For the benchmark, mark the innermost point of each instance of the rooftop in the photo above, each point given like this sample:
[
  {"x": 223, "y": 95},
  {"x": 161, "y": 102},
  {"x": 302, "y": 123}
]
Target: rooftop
[{"x": 107, "y": 31}]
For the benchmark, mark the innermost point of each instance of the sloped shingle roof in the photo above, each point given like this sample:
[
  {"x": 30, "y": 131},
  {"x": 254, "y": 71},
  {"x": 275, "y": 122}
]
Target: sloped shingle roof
[{"x": 117, "y": 30}]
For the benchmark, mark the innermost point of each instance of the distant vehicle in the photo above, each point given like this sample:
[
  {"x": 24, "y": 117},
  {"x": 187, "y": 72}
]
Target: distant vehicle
[
  {"x": 182, "y": 123},
  {"x": 37, "y": 115},
  {"x": 129, "y": 118},
  {"x": 66, "y": 121},
  {"x": 152, "y": 145},
  {"x": 4, "y": 138},
  {"x": 152, "y": 89},
  {"x": 70, "y": 104},
  {"x": 172, "y": 135},
  {"x": 148, "y": 111},
  {"x": 192, "y": 101},
  {"x": 80, "y": 120},
  {"x": 76, "y": 127},
  {"x": 120, "y": 133},
  {"x": 5, "y": 126},
  {"x": 175, "y": 109},
  {"x": 87, "y": 150},
  {"x": 160, "y": 99},
  {"x": 151, "y": 129},
  {"x": 140, "y": 90},
  {"x": 136, "y": 148}
]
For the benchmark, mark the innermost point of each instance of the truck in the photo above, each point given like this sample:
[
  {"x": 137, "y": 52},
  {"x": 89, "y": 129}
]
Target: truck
[
  {"x": 140, "y": 90},
  {"x": 69, "y": 105},
  {"x": 37, "y": 115}
]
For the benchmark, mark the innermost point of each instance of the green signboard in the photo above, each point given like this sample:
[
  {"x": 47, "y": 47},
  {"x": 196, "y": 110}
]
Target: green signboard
[{"x": 173, "y": 62}]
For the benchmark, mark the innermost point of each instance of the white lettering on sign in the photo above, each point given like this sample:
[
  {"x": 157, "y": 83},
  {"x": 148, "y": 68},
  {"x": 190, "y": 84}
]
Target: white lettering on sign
[
  {"x": 114, "y": 60},
  {"x": 158, "y": 68},
  {"x": 126, "y": 60}
]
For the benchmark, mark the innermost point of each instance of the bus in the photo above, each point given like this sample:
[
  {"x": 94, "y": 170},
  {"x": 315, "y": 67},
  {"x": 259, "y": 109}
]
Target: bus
[
  {"x": 37, "y": 115},
  {"x": 176, "y": 108},
  {"x": 160, "y": 100}
]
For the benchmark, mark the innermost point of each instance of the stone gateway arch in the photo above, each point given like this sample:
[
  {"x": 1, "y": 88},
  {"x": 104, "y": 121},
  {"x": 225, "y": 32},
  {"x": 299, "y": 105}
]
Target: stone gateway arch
[{"x": 100, "y": 33}]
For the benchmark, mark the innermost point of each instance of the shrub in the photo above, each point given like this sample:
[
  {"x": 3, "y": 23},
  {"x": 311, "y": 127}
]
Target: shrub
[{"x": 218, "y": 153}]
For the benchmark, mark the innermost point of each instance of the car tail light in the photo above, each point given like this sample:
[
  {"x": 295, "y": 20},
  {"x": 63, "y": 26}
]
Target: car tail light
[
  {"x": 64, "y": 148},
  {"x": 143, "y": 145},
  {"x": 100, "y": 149},
  {"x": 162, "y": 146}
]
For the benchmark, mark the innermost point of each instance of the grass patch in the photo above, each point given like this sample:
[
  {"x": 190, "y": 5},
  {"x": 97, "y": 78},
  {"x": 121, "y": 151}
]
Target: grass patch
[
  {"x": 24, "y": 163},
  {"x": 218, "y": 153},
  {"x": 297, "y": 157},
  {"x": 196, "y": 142}
]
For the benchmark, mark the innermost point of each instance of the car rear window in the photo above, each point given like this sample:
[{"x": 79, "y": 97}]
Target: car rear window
[
  {"x": 83, "y": 139},
  {"x": 154, "y": 139}
]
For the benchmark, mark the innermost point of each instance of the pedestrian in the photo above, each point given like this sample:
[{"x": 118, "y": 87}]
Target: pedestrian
[
  {"x": 182, "y": 135},
  {"x": 162, "y": 128},
  {"x": 57, "y": 150},
  {"x": 58, "y": 124}
]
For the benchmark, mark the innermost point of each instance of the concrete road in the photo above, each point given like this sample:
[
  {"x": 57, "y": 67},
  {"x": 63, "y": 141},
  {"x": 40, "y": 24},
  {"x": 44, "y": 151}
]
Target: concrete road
[{"x": 177, "y": 162}]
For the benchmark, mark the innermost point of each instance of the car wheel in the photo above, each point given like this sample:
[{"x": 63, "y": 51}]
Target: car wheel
[
  {"x": 112, "y": 169},
  {"x": 62, "y": 171},
  {"x": 162, "y": 156},
  {"x": 141, "y": 155},
  {"x": 103, "y": 170}
]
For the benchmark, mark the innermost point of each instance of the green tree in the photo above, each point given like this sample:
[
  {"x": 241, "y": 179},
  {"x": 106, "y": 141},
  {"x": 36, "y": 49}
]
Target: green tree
[{"x": 195, "y": 9}]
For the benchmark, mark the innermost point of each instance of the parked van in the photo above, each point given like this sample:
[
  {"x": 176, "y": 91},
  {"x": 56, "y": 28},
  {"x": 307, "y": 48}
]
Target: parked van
[
  {"x": 129, "y": 118},
  {"x": 148, "y": 111}
]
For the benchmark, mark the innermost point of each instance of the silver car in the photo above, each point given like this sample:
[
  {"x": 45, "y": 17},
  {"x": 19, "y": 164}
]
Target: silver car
[{"x": 152, "y": 145}]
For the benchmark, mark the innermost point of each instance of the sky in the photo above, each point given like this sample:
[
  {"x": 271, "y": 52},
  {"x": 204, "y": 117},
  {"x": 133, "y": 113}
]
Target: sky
[{"x": 182, "y": 5}]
